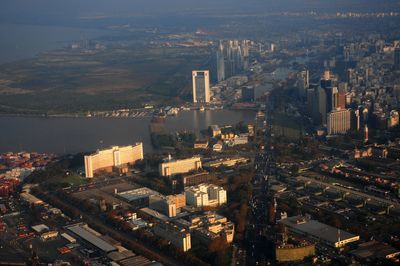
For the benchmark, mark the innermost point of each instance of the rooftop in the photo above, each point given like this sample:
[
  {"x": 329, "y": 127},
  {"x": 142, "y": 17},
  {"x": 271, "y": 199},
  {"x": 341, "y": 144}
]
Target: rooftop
[
  {"x": 138, "y": 193},
  {"x": 91, "y": 238},
  {"x": 317, "y": 229}
]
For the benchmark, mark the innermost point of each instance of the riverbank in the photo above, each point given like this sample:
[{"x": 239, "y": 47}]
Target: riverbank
[{"x": 62, "y": 135}]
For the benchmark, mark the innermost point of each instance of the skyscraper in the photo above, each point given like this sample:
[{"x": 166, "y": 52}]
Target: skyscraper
[
  {"x": 304, "y": 83},
  {"x": 341, "y": 96},
  {"x": 322, "y": 105},
  {"x": 397, "y": 58},
  {"x": 201, "y": 86},
  {"x": 220, "y": 63},
  {"x": 232, "y": 58},
  {"x": 339, "y": 121}
]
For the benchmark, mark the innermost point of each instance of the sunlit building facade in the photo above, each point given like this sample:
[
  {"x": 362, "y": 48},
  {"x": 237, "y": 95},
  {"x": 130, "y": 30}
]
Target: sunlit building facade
[{"x": 113, "y": 157}]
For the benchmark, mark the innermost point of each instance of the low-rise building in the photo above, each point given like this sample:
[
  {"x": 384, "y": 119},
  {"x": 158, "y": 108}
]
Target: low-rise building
[
  {"x": 201, "y": 144},
  {"x": 227, "y": 162},
  {"x": 375, "y": 250},
  {"x": 139, "y": 197},
  {"x": 208, "y": 227},
  {"x": 321, "y": 232},
  {"x": 215, "y": 130}
]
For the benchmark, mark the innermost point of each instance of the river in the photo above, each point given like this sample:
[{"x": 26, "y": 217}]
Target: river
[{"x": 73, "y": 135}]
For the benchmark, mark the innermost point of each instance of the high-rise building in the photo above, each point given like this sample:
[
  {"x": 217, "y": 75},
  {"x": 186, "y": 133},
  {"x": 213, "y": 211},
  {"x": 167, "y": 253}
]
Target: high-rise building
[
  {"x": 220, "y": 62},
  {"x": 232, "y": 58},
  {"x": 172, "y": 167},
  {"x": 322, "y": 105},
  {"x": 248, "y": 94},
  {"x": 113, "y": 157},
  {"x": 339, "y": 122},
  {"x": 304, "y": 83},
  {"x": 326, "y": 80},
  {"x": 201, "y": 86},
  {"x": 397, "y": 58},
  {"x": 310, "y": 95},
  {"x": 341, "y": 96},
  {"x": 331, "y": 94}
]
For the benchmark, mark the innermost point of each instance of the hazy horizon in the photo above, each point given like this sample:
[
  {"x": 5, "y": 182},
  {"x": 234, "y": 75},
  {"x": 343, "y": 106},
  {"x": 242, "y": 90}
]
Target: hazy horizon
[{"x": 53, "y": 11}]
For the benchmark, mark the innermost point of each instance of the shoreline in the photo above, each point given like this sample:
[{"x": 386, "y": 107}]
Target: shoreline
[{"x": 146, "y": 115}]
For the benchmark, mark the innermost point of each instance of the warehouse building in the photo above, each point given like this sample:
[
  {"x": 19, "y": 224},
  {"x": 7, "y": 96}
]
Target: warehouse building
[{"x": 319, "y": 231}]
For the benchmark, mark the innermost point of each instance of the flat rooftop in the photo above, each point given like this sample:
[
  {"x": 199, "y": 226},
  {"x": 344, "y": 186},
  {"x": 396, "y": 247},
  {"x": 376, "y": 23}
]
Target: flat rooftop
[
  {"x": 92, "y": 238},
  {"x": 375, "y": 249},
  {"x": 139, "y": 193},
  {"x": 316, "y": 229}
]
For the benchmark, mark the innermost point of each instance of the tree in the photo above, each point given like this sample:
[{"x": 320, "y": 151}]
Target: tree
[{"x": 218, "y": 244}]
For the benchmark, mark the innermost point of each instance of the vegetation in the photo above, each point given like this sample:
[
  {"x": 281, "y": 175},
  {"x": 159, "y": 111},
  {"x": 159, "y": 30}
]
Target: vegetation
[{"x": 70, "y": 81}]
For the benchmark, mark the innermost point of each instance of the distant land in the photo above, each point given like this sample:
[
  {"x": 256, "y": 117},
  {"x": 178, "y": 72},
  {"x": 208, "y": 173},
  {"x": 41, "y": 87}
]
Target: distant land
[{"x": 98, "y": 77}]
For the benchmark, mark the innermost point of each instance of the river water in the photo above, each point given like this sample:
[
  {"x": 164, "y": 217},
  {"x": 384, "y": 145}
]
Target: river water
[{"x": 72, "y": 135}]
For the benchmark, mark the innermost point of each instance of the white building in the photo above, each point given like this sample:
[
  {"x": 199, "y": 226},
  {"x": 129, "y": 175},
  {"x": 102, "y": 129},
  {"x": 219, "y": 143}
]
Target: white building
[
  {"x": 205, "y": 195},
  {"x": 201, "y": 86},
  {"x": 113, "y": 157},
  {"x": 339, "y": 122}
]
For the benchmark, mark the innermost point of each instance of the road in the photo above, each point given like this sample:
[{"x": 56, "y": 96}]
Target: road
[{"x": 259, "y": 234}]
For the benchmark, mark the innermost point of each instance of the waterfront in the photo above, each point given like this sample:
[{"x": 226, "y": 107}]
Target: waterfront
[{"x": 72, "y": 135}]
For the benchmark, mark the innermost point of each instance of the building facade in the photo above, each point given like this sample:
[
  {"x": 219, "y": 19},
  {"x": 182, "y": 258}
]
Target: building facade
[
  {"x": 113, "y": 157},
  {"x": 180, "y": 238},
  {"x": 201, "y": 86},
  {"x": 339, "y": 122},
  {"x": 205, "y": 195},
  {"x": 172, "y": 167}
]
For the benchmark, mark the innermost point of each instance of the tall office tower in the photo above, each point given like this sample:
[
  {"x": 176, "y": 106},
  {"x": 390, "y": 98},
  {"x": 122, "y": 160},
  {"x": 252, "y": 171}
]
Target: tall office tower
[
  {"x": 321, "y": 105},
  {"x": 248, "y": 94},
  {"x": 397, "y": 58},
  {"x": 394, "y": 119},
  {"x": 355, "y": 120},
  {"x": 232, "y": 58},
  {"x": 201, "y": 86},
  {"x": 220, "y": 62},
  {"x": 310, "y": 94},
  {"x": 331, "y": 94},
  {"x": 304, "y": 83},
  {"x": 366, "y": 134},
  {"x": 341, "y": 96},
  {"x": 350, "y": 75},
  {"x": 326, "y": 80},
  {"x": 339, "y": 122}
]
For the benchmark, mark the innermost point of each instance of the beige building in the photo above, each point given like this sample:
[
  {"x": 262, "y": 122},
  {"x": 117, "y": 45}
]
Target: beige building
[
  {"x": 114, "y": 157},
  {"x": 170, "y": 205},
  {"x": 172, "y": 167},
  {"x": 228, "y": 162},
  {"x": 339, "y": 121},
  {"x": 201, "y": 86},
  {"x": 205, "y": 195},
  {"x": 209, "y": 226},
  {"x": 180, "y": 238}
]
